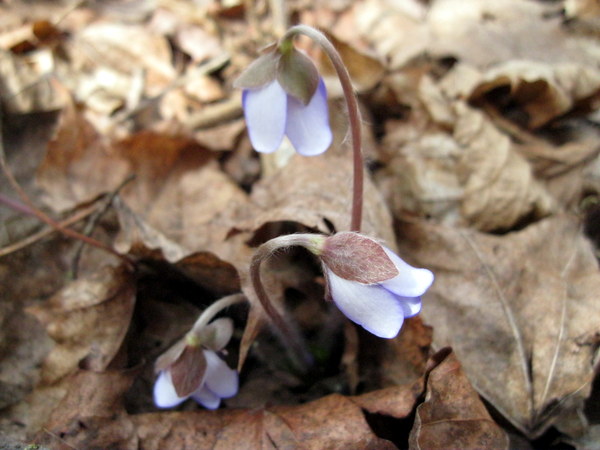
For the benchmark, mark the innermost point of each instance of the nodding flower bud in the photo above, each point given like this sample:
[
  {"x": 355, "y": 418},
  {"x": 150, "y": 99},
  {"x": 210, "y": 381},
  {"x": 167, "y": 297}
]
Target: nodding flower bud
[
  {"x": 192, "y": 368},
  {"x": 370, "y": 284},
  {"x": 367, "y": 281},
  {"x": 283, "y": 94}
]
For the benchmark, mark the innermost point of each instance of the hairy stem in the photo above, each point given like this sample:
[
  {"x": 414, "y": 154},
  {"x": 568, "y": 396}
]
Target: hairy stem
[
  {"x": 263, "y": 253},
  {"x": 353, "y": 115}
]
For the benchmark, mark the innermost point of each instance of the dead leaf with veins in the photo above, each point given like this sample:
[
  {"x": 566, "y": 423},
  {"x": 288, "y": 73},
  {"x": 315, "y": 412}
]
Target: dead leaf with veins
[{"x": 518, "y": 309}]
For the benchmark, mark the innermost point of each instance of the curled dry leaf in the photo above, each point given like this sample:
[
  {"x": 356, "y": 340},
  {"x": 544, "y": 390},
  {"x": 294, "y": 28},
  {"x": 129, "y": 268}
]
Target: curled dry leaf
[
  {"x": 520, "y": 310},
  {"x": 474, "y": 177},
  {"x": 537, "y": 92},
  {"x": 87, "y": 318},
  {"x": 453, "y": 415}
]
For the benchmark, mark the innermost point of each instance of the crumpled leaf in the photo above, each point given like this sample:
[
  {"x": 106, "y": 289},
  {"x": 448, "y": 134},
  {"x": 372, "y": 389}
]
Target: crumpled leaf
[
  {"x": 520, "y": 310},
  {"x": 453, "y": 415},
  {"x": 87, "y": 318},
  {"x": 458, "y": 180},
  {"x": 536, "y": 93}
]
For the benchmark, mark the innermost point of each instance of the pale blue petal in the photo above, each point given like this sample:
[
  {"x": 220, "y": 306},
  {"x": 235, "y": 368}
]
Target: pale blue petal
[
  {"x": 410, "y": 305},
  {"x": 308, "y": 126},
  {"x": 265, "y": 112},
  {"x": 206, "y": 398},
  {"x": 410, "y": 281},
  {"x": 164, "y": 391},
  {"x": 220, "y": 379},
  {"x": 371, "y": 306}
]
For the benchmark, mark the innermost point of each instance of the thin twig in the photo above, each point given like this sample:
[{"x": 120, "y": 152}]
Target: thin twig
[
  {"x": 7, "y": 250},
  {"x": 44, "y": 217}
]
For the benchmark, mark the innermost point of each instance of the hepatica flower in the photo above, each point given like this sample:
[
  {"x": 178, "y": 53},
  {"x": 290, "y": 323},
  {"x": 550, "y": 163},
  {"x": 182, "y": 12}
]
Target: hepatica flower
[
  {"x": 192, "y": 368},
  {"x": 370, "y": 284},
  {"x": 283, "y": 94}
]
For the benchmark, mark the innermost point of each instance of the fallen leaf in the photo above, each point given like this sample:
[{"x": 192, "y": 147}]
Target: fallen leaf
[
  {"x": 87, "y": 318},
  {"x": 535, "y": 93},
  {"x": 25, "y": 83},
  {"x": 453, "y": 415},
  {"x": 93, "y": 402},
  {"x": 456, "y": 179},
  {"x": 519, "y": 310}
]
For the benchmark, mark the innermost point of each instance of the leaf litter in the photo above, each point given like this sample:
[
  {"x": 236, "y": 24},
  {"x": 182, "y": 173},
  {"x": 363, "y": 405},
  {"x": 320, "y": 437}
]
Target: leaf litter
[{"x": 484, "y": 158}]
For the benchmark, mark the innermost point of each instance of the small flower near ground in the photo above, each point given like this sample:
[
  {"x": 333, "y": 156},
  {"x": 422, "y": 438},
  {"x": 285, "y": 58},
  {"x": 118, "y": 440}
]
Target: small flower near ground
[
  {"x": 283, "y": 94},
  {"x": 370, "y": 284},
  {"x": 192, "y": 368}
]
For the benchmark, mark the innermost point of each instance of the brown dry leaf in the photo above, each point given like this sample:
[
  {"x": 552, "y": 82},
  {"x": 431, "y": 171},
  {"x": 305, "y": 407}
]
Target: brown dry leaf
[
  {"x": 520, "y": 311},
  {"x": 332, "y": 422},
  {"x": 109, "y": 49},
  {"x": 316, "y": 192},
  {"x": 79, "y": 165},
  {"x": 537, "y": 92},
  {"x": 478, "y": 32},
  {"x": 458, "y": 180},
  {"x": 453, "y": 415},
  {"x": 166, "y": 206},
  {"x": 91, "y": 415},
  {"x": 25, "y": 82},
  {"x": 397, "y": 31},
  {"x": 87, "y": 318}
]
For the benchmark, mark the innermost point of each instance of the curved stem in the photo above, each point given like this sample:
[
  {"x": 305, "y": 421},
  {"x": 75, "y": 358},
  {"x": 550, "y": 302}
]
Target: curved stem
[
  {"x": 264, "y": 252},
  {"x": 353, "y": 115},
  {"x": 209, "y": 313}
]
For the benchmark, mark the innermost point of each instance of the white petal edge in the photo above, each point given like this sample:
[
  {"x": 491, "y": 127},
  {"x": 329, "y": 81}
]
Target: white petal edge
[
  {"x": 265, "y": 111},
  {"x": 371, "y": 306},
  {"x": 164, "y": 391},
  {"x": 410, "y": 281},
  {"x": 220, "y": 378},
  {"x": 206, "y": 398},
  {"x": 307, "y": 126},
  {"x": 410, "y": 305}
]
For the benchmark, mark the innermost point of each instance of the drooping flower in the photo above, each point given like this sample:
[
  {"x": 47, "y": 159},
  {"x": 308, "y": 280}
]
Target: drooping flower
[
  {"x": 192, "y": 368},
  {"x": 283, "y": 94},
  {"x": 370, "y": 284}
]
